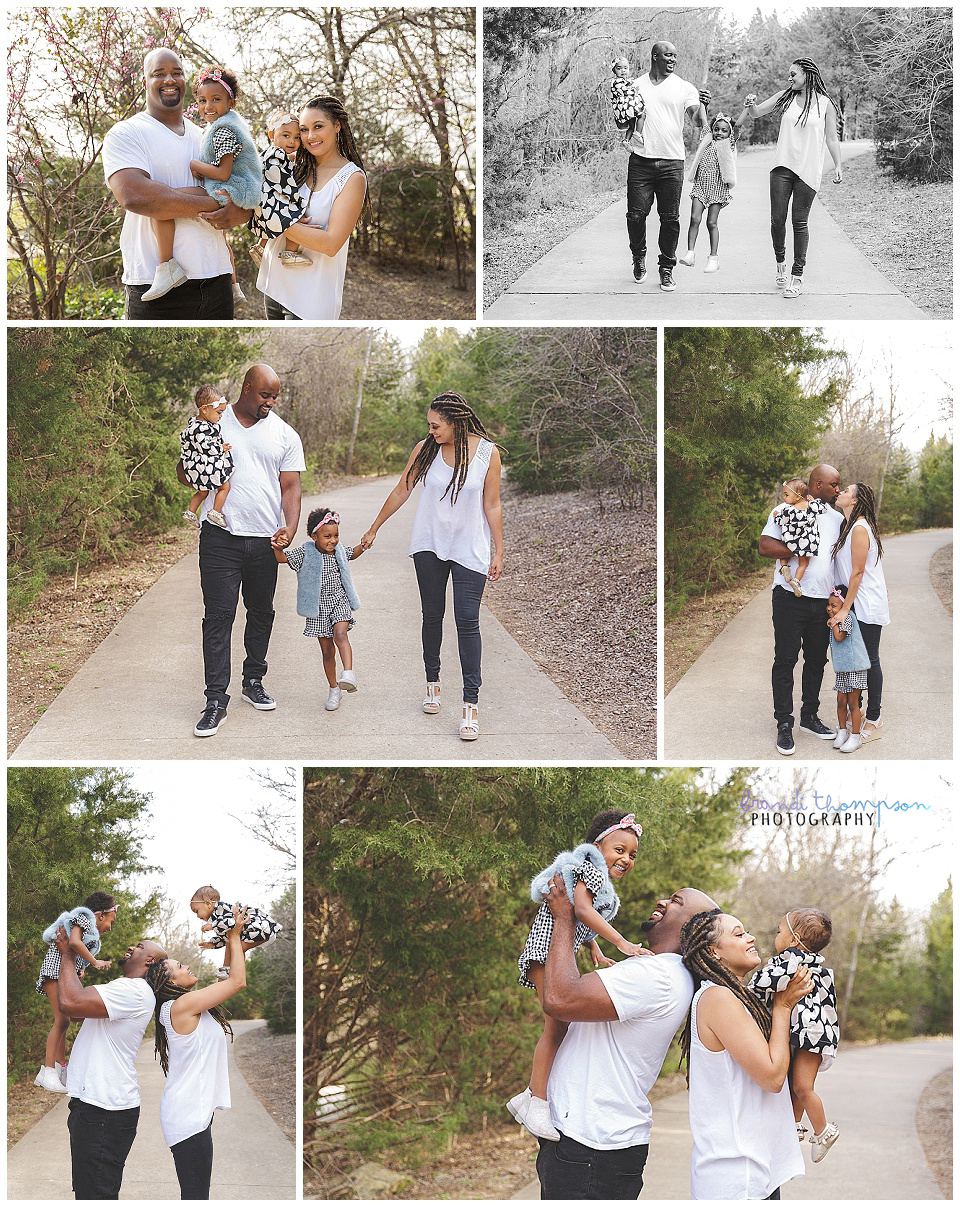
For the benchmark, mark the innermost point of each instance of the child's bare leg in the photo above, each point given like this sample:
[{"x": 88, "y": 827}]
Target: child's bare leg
[
  {"x": 853, "y": 703},
  {"x": 803, "y": 1074},
  {"x": 163, "y": 230},
  {"x": 221, "y": 496},
  {"x": 802, "y": 563},
  {"x": 696, "y": 213},
  {"x": 329, "y": 652},
  {"x": 342, "y": 641},
  {"x": 56, "y": 1045},
  {"x": 713, "y": 228},
  {"x": 842, "y": 710},
  {"x": 548, "y": 1044},
  {"x": 194, "y": 504}
]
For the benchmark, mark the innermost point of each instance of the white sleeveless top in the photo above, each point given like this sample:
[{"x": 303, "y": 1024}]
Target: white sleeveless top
[
  {"x": 315, "y": 292},
  {"x": 197, "y": 1082},
  {"x": 459, "y": 532},
  {"x": 870, "y": 604},
  {"x": 800, "y": 146},
  {"x": 744, "y": 1139}
]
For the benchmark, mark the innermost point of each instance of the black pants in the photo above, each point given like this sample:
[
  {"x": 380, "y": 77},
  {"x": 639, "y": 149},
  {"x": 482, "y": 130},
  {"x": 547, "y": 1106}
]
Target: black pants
[
  {"x": 785, "y": 186},
  {"x": 798, "y": 623},
  {"x": 231, "y": 566},
  {"x": 432, "y": 575},
  {"x": 193, "y": 1158},
  {"x": 646, "y": 179},
  {"x": 871, "y": 639},
  {"x": 274, "y": 310},
  {"x": 568, "y": 1169},
  {"x": 210, "y": 298},
  {"x": 99, "y": 1143}
]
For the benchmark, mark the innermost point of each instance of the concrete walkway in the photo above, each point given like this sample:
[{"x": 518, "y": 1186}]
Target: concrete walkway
[
  {"x": 589, "y": 276},
  {"x": 140, "y": 693},
  {"x": 252, "y": 1159},
  {"x": 722, "y": 708},
  {"x": 871, "y": 1092}
]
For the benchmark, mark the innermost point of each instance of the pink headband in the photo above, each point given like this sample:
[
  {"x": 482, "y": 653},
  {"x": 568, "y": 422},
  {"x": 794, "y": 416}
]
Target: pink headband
[
  {"x": 217, "y": 78},
  {"x": 330, "y": 517},
  {"x": 625, "y": 823},
  {"x": 839, "y": 596}
]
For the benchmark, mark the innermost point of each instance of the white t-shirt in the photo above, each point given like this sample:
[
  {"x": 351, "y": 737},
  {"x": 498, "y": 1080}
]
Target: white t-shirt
[
  {"x": 197, "y": 1081},
  {"x": 144, "y": 143},
  {"x": 666, "y": 102},
  {"x": 101, "y": 1070},
  {"x": 818, "y": 578},
  {"x": 260, "y": 454},
  {"x": 603, "y": 1072}
]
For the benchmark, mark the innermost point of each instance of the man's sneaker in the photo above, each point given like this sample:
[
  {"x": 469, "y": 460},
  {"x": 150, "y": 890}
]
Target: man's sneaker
[
  {"x": 667, "y": 283},
  {"x": 785, "y": 738},
  {"x": 212, "y": 717},
  {"x": 168, "y": 276},
  {"x": 47, "y": 1079},
  {"x": 819, "y": 1145},
  {"x": 254, "y": 694},
  {"x": 347, "y": 681},
  {"x": 639, "y": 270},
  {"x": 815, "y": 726},
  {"x": 333, "y": 699}
]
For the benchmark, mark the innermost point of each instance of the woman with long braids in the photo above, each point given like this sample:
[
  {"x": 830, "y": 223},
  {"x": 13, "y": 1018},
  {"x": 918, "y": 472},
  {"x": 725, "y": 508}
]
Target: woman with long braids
[
  {"x": 808, "y": 123},
  {"x": 457, "y": 521},
  {"x": 329, "y": 171},
  {"x": 191, "y": 1044},
  {"x": 856, "y": 564},
  {"x": 738, "y": 1053}
]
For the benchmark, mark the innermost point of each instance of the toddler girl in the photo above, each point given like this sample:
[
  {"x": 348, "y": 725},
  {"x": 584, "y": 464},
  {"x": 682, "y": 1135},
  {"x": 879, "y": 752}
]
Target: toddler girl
[
  {"x": 218, "y": 920},
  {"x": 84, "y": 925},
  {"x": 814, "y": 1026},
  {"x": 207, "y": 461},
  {"x": 796, "y": 518},
  {"x": 229, "y": 163},
  {"x": 629, "y": 111},
  {"x": 280, "y": 202},
  {"x": 607, "y": 854},
  {"x": 325, "y": 596},
  {"x": 851, "y": 663},
  {"x": 714, "y": 173}
]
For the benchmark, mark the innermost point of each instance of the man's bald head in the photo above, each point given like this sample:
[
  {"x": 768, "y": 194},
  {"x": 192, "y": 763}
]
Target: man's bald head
[
  {"x": 670, "y": 914},
  {"x": 259, "y": 393},
  {"x": 824, "y": 483}
]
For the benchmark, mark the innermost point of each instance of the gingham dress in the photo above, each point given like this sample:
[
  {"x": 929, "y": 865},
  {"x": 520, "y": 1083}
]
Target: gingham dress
[
  {"x": 538, "y": 941},
  {"x": 50, "y": 968},
  {"x": 334, "y": 605},
  {"x": 708, "y": 187}
]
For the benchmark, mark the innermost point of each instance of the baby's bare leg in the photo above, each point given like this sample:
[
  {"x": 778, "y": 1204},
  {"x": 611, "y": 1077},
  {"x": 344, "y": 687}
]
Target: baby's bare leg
[
  {"x": 802, "y": 563},
  {"x": 199, "y": 496},
  {"x": 221, "y": 496},
  {"x": 803, "y": 1074}
]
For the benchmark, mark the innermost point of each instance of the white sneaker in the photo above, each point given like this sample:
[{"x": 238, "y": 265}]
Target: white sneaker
[
  {"x": 333, "y": 699},
  {"x": 536, "y": 1119},
  {"x": 854, "y": 742},
  {"x": 713, "y": 264},
  {"x": 688, "y": 258},
  {"x": 820, "y": 1145},
  {"x": 48, "y": 1079},
  {"x": 168, "y": 276},
  {"x": 61, "y": 1072},
  {"x": 518, "y": 1103},
  {"x": 841, "y": 738},
  {"x": 347, "y": 681}
]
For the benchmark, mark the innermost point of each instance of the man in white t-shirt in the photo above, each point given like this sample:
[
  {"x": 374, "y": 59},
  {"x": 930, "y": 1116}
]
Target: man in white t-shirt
[
  {"x": 261, "y": 512},
  {"x": 146, "y": 164},
  {"x": 656, "y": 160},
  {"x": 101, "y": 1078},
  {"x": 801, "y": 622},
  {"x": 622, "y": 1020}
]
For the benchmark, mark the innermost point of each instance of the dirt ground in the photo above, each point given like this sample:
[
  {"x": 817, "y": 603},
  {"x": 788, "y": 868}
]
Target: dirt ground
[
  {"x": 266, "y": 1062},
  {"x": 941, "y": 575},
  {"x": 935, "y": 1129}
]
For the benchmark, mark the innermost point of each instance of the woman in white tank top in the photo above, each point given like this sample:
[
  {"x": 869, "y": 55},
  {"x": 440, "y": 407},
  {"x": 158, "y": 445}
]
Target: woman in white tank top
[
  {"x": 808, "y": 124},
  {"x": 457, "y": 534},
  {"x": 745, "y": 1143},
  {"x": 191, "y": 1043}
]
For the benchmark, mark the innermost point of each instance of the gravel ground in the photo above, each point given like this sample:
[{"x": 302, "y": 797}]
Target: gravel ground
[
  {"x": 935, "y": 1129},
  {"x": 584, "y": 607},
  {"x": 941, "y": 575},
  {"x": 267, "y": 1063}
]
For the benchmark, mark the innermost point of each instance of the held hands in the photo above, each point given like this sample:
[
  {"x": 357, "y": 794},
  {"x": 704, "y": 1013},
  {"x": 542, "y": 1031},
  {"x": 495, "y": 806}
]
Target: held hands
[
  {"x": 280, "y": 539},
  {"x": 227, "y": 216},
  {"x": 798, "y": 986},
  {"x": 706, "y": 96},
  {"x": 750, "y": 100},
  {"x": 366, "y": 541}
]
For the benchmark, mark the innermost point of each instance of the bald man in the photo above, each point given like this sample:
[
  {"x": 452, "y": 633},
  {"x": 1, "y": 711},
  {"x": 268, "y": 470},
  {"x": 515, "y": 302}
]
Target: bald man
[
  {"x": 622, "y": 1020},
  {"x": 146, "y": 163},
  {"x": 261, "y": 513},
  {"x": 801, "y": 622}
]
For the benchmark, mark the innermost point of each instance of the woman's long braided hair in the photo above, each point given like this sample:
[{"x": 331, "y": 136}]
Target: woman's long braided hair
[
  {"x": 696, "y": 939},
  {"x": 455, "y": 410},
  {"x": 864, "y": 508},
  {"x": 158, "y": 978},
  {"x": 346, "y": 143},
  {"x": 813, "y": 86}
]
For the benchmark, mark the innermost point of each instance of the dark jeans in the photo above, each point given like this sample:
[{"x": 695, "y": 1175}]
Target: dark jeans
[
  {"x": 784, "y": 186},
  {"x": 774, "y": 1194},
  {"x": 798, "y": 623},
  {"x": 871, "y": 639},
  {"x": 193, "y": 1158},
  {"x": 432, "y": 575},
  {"x": 231, "y": 565},
  {"x": 99, "y": 1143},
  {"x": 646, "y": 179},
  {"x": 210, "y": 298},
  {"x": 273, "y": 310},
  {"x": 568, "y": 1169}
]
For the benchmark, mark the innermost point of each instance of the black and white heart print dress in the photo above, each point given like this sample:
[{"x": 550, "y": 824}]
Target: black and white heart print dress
[
  {"x": 814, "y": 1024},
  {"x": 205, "y": 463},
  {"x": 798, "y": 526},
  {"x": 280, "y": 202}
]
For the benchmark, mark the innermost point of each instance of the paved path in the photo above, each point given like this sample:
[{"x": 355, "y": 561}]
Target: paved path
[
  {"x": 722, "y": 707},
  {"x": 871, "y": 1092},
  {"x": 589, "y": 276},
  {"x": 252, "y": 1159},
  {"x": 140, "y": 693}
]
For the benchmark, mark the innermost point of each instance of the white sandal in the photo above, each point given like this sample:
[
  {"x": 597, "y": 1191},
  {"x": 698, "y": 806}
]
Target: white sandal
[
  {"x": 795, "y": 288},
  {"x": 470, "y": 723},
  {"x": 431, "y": 700},
  {"x": 871, "y": 735}
]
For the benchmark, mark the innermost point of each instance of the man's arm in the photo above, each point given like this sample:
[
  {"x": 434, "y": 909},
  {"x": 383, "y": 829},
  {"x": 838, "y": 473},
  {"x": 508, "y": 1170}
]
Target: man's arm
[
  {"x": 769, "y": 546},
  {"x": 73, "y": 999},
  {"x": 225, "y": 217},
  {"x": 138, "y": 194},
  {"x": 289, "y": 505},
  {"x": 568, "y": 996}
]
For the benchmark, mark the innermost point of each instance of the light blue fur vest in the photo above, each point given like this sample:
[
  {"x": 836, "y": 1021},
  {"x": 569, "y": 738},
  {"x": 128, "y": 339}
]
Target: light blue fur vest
[
  {"x": 81, "y": 916},
  {"x": 246, "y": 174},
  {"x": 565, "y": 864},
  {"x": 308, "y": 579},
  {"x": 851, "y": 653}
]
